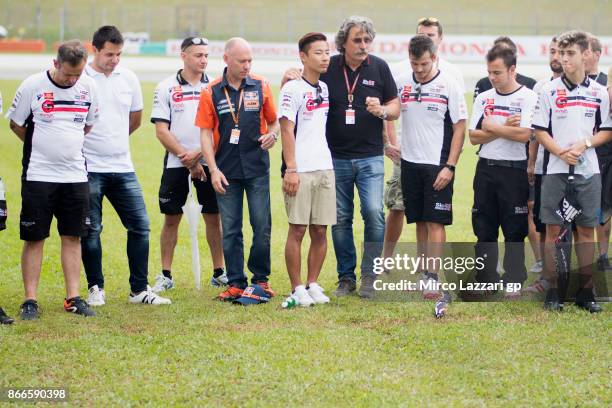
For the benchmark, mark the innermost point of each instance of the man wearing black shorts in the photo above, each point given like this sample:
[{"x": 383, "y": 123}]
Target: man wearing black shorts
[
  {"x": 174, "y": 110},
  {"x": 433, "y": 115},
  {"x": 51, "y": 113}
]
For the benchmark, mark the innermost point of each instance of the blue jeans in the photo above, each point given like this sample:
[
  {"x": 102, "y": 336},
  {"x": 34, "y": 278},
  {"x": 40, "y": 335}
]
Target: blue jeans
[
  {"x": 230, "y": 208},
  {"x": 124, "y": 193},
  {"x": 368, "y": 175}
]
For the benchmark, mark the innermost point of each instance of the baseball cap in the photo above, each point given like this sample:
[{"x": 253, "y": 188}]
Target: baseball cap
[{"x": 253, "y": 295}]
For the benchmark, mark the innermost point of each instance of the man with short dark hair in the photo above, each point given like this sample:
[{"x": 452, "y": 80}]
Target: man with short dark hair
[
  {"x": 51, "y": 113},
  {"x": 238, "y": 125},
  {"x": 308, "y": 170},
  {"x": 175, "y": 104},
  {"x": 432, "y": 28},
  {"x": 569, "y": 109},
  {"x": 111, "y": 172},
  {"x": 432, "y": 135},
  {"x": 501, "y": 188},
  {"x": 484, "y": 84}
]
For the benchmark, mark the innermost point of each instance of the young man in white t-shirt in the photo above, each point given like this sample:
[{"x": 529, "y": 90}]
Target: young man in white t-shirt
[
  {"x": 307, "y": 170},
  {"x": 433, "y": 114},
  {"x": 51, "y": 113},
  {"x": 569, "y": 109},
  {"x": 175, "y": 105},
  {"x": 501, "y": 187}
]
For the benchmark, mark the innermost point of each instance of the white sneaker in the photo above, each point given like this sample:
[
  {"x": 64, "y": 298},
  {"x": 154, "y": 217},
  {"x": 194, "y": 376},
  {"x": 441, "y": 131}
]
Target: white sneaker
[
  {"x": 316, "y": 293},
  {"x": 302, "y": 296},
  {"x": 537, "y": 267},
  {"x": 96, "y": 297},
  {"x": 162, "y": 283},
  {"x": 148, "y": 297}
]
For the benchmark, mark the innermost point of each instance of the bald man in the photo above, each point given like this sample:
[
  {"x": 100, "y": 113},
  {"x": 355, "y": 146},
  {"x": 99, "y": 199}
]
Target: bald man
[{"x": 238, "y": 125}]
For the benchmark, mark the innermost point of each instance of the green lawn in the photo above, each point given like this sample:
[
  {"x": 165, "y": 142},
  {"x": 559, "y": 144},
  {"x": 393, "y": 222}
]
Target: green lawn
[{"x": 199, "y": 352}]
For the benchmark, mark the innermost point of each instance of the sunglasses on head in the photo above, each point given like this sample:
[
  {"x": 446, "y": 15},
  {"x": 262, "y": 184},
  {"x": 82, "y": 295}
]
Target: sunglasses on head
[
  {"x": 195, "y": 41},
  {"x": 319, "y": 99},
  {"x": 428, "y": 20},
  {"x": 418, "y": 93}
]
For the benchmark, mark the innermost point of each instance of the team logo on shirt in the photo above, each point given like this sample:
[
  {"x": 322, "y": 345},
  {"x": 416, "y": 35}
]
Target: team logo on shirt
[
  {"x": 561, "y": 100},
  {"x": 251, "y": 101},
  {"x": 489, "y": 106},
  {"x": 368, "y": 82},
  {"x": 177, "y": 94},
  {"x": 47, "y": 106}
]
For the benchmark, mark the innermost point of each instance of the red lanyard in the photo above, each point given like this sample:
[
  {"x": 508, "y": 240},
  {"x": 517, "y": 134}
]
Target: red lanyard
[{"x": 350, "y": 89}]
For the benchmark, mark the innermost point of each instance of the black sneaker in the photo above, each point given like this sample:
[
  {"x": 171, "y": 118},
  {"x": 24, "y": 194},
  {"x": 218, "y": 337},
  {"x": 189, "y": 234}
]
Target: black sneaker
[
  {"x": 78, "y": 306},
  {"x": 29, "y": 310},
  {"x": 552, "y": 301},
  {"x": 603, "y": 263},
  {"x": 586, "y": 300},
  {"x": 345, "y": 287},
  {"x": 4, "y": 319}
]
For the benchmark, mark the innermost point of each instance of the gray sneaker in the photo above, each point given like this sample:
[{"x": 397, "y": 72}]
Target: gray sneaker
[
  {"x": 366, "y": 289},
  {"x": 345, "y": 287}
]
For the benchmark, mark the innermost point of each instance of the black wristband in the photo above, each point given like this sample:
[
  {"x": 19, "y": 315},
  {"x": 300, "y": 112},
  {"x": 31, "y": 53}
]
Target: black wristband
[{"x": 450, "y": 167}]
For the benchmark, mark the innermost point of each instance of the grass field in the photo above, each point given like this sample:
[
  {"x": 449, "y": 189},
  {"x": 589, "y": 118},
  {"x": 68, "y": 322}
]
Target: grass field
[{"x": 199, "y": 352}]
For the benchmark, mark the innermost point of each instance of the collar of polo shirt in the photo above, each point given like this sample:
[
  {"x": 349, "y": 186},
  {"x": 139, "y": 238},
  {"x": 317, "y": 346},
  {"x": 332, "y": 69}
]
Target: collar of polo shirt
[
  {"x": 571, "y": 86},
  {"x": 183, "y": 81},
  {"x": 247, "y": 81}
]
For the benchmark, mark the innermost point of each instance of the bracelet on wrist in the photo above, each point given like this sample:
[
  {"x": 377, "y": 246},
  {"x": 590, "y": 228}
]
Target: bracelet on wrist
[{"x": 288, "y": 171}]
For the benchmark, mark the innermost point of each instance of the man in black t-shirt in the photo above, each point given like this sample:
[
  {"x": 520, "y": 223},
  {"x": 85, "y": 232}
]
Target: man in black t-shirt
[{"x": 484, "y": 84}]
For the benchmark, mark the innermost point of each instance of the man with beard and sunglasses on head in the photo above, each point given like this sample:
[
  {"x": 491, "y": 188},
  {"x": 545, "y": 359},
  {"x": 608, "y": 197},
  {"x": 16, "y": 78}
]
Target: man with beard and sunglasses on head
[
  {"x": 534, "y": 172},
  {"x": 307, "y": 170}
]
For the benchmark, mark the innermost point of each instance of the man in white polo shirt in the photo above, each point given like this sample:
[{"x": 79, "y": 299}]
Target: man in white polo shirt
[
  {"x": 111, "y": 172},
  {"x": 174, "y": 109},
  {"x": 501, "y": 187},
  {"x": 433, "y": 115},
  {"x": 307, "y": 170},
  {"x": 569, "y": 109},
  {"x": 51, "y": 113}
]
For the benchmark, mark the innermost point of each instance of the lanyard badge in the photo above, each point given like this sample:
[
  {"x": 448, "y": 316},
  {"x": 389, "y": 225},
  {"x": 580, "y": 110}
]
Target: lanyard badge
[
  {"x": 235, "y": 134},
  {"x": 349, "y": 118}
]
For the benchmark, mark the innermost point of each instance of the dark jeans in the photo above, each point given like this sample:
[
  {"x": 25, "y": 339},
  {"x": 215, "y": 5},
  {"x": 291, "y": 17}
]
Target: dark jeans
[
  {"x": 124, "y": 193},
  {"x": 230, "y": 207}
]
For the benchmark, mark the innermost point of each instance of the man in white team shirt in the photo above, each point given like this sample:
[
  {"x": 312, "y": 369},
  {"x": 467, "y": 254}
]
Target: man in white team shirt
[
  {"x": 307, "y": 170},
  {"x": 111, "y": 172},
  {"x": 534, "y": 171},
  {"x": 433, "y": 115},
  {"x": 51, "y": 113},
  {"x": 569, "y": 109},
  {"x": 431, "y": 27},
  {"x": 174, "y": 109},
  {"x": 501, "y": 187}
]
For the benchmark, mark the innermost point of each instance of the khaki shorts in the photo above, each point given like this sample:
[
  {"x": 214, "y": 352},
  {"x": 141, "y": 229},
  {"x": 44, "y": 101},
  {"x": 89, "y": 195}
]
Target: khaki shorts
[
  {"x": 393, "y": 190},
  {"x": 315, "y": 201}
]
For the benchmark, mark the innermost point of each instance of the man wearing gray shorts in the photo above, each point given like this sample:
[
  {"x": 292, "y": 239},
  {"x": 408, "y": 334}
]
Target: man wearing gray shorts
[{"x": 568, "y": 110}]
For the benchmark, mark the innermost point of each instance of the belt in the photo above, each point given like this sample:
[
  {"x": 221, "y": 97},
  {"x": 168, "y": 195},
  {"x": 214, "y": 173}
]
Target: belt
[{"x": 515, "y": 164}]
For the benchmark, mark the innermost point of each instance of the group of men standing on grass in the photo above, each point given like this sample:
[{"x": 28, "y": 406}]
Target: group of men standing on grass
[{"x": 335, "y": 121}]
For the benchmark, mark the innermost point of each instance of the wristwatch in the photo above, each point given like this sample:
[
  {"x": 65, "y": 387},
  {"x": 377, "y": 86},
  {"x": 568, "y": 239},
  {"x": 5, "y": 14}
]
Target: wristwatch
[
  {"x": 588, "y": 143},
  {"x": 450, "y": 167},
  {"x": 384, "y": 114}
]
